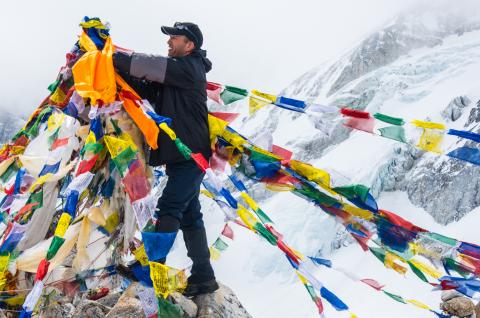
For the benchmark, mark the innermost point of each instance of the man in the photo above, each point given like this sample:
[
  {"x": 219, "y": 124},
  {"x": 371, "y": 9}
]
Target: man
[{"x": 176, "y": 86}]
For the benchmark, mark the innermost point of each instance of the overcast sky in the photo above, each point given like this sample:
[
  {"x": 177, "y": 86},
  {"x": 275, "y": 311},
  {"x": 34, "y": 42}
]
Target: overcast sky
[{"x": 252, "y": 44}]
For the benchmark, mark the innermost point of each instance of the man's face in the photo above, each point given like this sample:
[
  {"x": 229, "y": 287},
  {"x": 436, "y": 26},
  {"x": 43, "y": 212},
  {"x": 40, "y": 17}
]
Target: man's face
[{"x": 179, "y": 45}]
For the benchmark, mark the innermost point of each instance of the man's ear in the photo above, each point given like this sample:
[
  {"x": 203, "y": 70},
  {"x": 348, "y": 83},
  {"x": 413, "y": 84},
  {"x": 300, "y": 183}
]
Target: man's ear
[{"x": 190, "y": 46}]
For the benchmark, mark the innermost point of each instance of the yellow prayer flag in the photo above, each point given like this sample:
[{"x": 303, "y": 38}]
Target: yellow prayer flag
[
  {"x": 116, "y": 145},
  {"x": 141, "y": 255},
  {"x": 96, "y": 216},
  {"x": 390, "y": 259},
  {"x": 311, "y": 173},
  {"x": 271, "y": 98},
  {"x": 58, "y": 96},
  {"x": 248, "y": 218},
  {"x": 166, "y": 279},
  {"x": 112, "y": 221},
  {"x": 254, "y": 104},
  {"x": 216, "y": 127},
  {"x": 82, "y": 259},
  {"x": 214, "y": 254},
  {"x": 207, "y": 193},
  {"x": 168, "y": 131},
  {"x": 55, "y": 121},
  {"x": 428, "y": 125},
  {"x": 418, "y": 304},
  {"x": 279, "y": 187},
  {"x": 15, "y": 301},
  {"x": 91, "y": 138},
  {"x": 4, "y": 259},
  {"x": 251, "y": 203},
  {"x": 86, "y": 43},
  {"x": 426, "y": 269},
  {"x": 40, "y": 181},
  {"x": 431, "y": 140},
  {"x": 234, "y": 139},
  {"x": 356, "y": 211},
  {"x": 302, "y": 278},
  {"x": 62, "y": 224}
]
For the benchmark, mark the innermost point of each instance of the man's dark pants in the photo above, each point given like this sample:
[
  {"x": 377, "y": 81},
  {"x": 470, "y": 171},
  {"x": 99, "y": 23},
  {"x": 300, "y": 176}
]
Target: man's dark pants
[{"x": 179, "y": 208}]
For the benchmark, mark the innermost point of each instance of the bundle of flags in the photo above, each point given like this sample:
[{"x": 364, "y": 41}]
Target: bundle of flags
[
  {"x": 398, "y": 243},
  {"x": 428, "y": 136}
]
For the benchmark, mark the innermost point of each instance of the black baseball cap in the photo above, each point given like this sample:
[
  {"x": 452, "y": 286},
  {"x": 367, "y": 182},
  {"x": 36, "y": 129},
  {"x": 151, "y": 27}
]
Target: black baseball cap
[{"x": 190, "y": 30}]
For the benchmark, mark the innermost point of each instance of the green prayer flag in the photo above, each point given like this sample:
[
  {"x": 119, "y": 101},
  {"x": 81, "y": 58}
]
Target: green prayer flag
[
  {"x": 353, "y": 191},
  {"x": 441, "y": 238},
  {"x": 93, "y": 147},
  {"x": 183, "y": 149},
  {"x": 395, "y": 297},
  {"x": 220, "y": 245},
  {"x": 378, "y": 252},
  {"x": 259, "y": 156},
  {"x": 263, "y": 216},
  {"x": 114, "y": 122},
  {"x": 390, "y": 120},
  {"x": 231, "y": 94},
  {"x": 33, "y": 130},
  {"x": 55, "y": 245},
  {"x": 417, "y": 272},
  {"x": 168, "y": 310},
  {"x": 315, "y": 195},
  {"x": 393, "y": 132},
  {"x": 265, "y": 233},
  {"x": 123, "y": 159},
  {"x": 36, "y": 197},
  {"x": 12, "y": 168},
  {"x": 52, "y": 87},
  {"x": 311, "y": 291}
]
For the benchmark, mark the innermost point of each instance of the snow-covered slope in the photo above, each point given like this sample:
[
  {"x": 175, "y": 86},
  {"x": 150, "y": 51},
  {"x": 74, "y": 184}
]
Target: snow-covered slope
[{"x": 422, "y": 65}]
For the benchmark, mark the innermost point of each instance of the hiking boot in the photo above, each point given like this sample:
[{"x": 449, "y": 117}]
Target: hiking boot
[{"x": 196, "y": 289}]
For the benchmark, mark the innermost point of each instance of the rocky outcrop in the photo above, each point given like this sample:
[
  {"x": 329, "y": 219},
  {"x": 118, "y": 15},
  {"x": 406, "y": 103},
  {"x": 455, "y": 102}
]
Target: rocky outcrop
[
  {"x": 222, "y": 304},
  {"x": 456, "y": 305},
  {"x": 455, "y": 108}
]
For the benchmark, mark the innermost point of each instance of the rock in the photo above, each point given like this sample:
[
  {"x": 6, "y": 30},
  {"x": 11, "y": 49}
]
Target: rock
[
  {"x": 127, "y": 307},
  {"x": 58, "y": 310},
  {"x": 450, "y": 294},
  {"x": 221, "y": 304},
  {"x": 458, "y": 307},
  {"x": 110, "y": 300},
  {"x": 477, "y": 310},
  {"x": 189, "y": 307},
  {"x": 455, "y": 108},
  {"x": 90, "y": 309}
]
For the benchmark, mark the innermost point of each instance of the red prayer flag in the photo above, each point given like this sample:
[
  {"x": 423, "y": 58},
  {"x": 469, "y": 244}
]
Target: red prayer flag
[
  {"x": 288, "y": 251},
  {"x": 363, "y": 124},
  {"x": 372, "y": 283},
  {"x": 87, "y": 165},
  {"x": 42, "y": 270},
  {"x": 399, "y": 221},
  {"x": 59, "y": 143},
  {"x": 200, "y": 161},
  {"x": 354, "y": 113},
  {"x": 227, "y": 231},
  {"x": 283, "y": 153},
  {"x": 213, "y": 92},
  {"x": 26, "y": 208},
  {"x": 228, "y": 117}
]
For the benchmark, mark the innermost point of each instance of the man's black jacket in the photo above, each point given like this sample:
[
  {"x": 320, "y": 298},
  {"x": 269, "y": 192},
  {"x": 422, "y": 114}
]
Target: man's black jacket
[{"x": 176, "y": 87}]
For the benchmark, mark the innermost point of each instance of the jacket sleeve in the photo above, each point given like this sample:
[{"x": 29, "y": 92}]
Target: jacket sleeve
[{"x": 161, "y": 69}]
